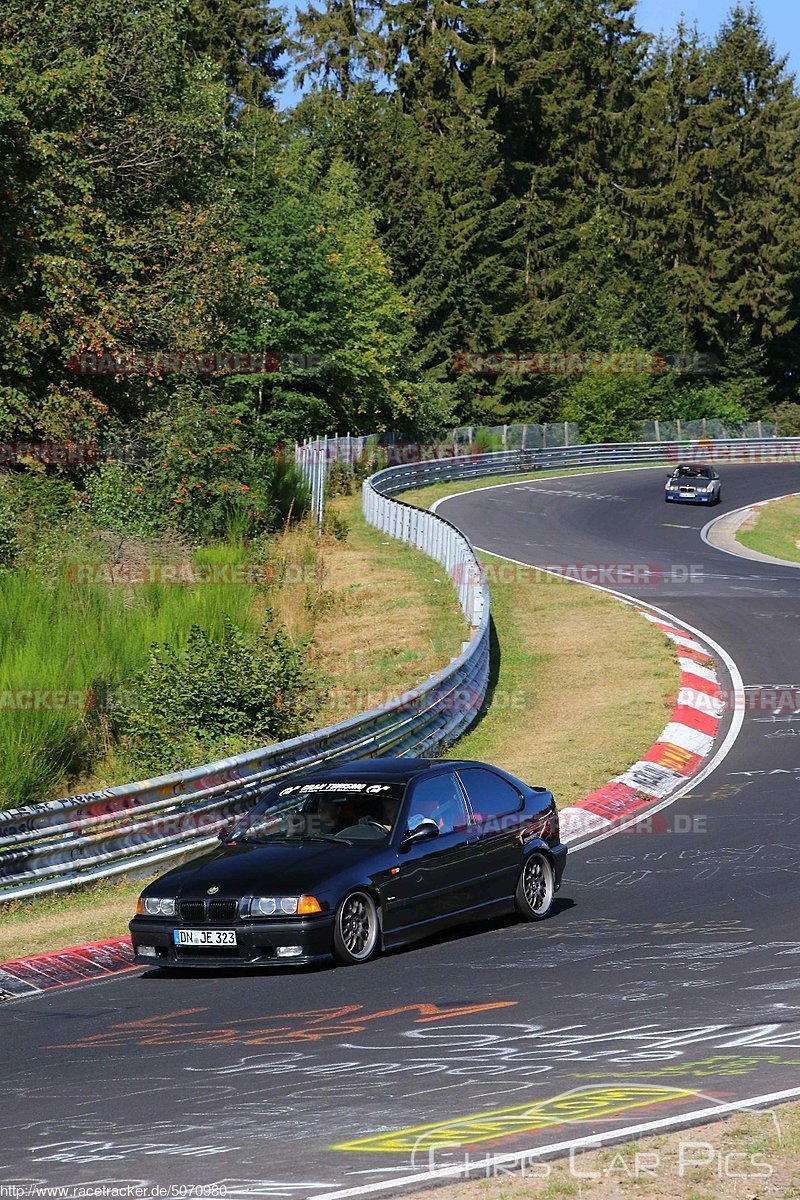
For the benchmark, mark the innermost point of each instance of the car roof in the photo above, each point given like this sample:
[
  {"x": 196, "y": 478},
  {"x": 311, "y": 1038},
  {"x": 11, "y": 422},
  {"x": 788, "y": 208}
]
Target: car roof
[
  {"x": 397, "y": 770},
  {"x": 700, "y": 468}
]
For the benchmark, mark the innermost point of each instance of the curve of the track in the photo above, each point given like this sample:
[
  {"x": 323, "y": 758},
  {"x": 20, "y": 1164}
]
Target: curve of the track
[{"x": 667, "y": 981}]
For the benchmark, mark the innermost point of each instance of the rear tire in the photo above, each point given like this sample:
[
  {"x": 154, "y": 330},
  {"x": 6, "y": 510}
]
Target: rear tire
[
  {"x": 536, "y": 888},
  {"x": 356, "y": 929}
]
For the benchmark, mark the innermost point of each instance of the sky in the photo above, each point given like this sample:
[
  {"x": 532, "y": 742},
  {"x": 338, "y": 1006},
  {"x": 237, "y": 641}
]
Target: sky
[{"x": 780, "y": 19}]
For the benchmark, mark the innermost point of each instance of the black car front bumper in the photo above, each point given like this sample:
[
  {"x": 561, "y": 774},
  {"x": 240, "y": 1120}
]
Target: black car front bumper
[{"x": 257, "y": 943}]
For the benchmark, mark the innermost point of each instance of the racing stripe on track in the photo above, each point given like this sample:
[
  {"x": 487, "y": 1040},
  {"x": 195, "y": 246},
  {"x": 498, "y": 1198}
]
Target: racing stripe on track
[{"x": 684, "y": 744}]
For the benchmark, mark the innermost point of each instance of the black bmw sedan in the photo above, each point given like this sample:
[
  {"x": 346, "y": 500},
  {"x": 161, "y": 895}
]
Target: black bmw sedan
[{"x": 344, "y": 861}]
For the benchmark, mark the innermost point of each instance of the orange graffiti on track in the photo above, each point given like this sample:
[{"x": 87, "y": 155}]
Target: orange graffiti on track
[{"x": 176, "y": 1029}]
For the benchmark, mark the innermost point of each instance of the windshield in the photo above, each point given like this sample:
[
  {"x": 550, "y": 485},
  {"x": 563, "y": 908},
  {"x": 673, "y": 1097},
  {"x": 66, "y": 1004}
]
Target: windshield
[
  {"x": 693, "y": 473},
  {"x": 351, "y": 811}
]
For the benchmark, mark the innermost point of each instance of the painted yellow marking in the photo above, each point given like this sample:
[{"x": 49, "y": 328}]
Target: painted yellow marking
[
  {"x": 583, "y": 1104},
  {"x": 677, "y": 758},
  {"x": 717, "y": 1065}
]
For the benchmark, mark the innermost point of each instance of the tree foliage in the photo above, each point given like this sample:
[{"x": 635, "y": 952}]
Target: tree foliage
[{"x": 539, "y": 175}]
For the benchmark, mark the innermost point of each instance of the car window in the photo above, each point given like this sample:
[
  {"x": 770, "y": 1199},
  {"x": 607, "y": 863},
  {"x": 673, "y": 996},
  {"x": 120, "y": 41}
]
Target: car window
[
  {"x": 490, "y": 795},
  {"x": 439, "y": 798},
  {"x": 348, "y": 810}
]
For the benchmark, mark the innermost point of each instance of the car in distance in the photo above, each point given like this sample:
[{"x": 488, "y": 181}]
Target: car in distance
[
  {"x": 342, "y": 862},
  {"x": 693, "y": 484}
]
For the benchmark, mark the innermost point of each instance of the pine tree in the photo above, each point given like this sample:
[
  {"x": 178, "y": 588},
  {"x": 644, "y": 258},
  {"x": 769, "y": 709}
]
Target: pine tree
[
  {"x": 338, "y": 45},
  {"x": 246, "y": 38},
  {"x": 722, "y": 188}
]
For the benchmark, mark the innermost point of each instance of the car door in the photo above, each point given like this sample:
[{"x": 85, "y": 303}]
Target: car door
[
  {"x": 435, "y": 878},
  {"x": 498, "y": 809}
]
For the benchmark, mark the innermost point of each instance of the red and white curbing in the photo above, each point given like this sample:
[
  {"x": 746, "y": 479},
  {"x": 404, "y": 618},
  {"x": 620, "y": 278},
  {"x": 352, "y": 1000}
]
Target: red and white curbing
[
  {"x": 77, "y": 964},
  {"x": 677, "y": 755}
]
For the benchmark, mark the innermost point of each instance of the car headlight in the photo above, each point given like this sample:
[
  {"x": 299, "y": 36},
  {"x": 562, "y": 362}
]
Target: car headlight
[
  {"x": 290, "y": 906},
  {"x": 156, "y": 906}
]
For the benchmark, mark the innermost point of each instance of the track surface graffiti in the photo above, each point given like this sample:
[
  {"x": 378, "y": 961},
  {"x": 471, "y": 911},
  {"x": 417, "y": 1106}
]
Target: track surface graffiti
[{"x": 585, "y": 1104}]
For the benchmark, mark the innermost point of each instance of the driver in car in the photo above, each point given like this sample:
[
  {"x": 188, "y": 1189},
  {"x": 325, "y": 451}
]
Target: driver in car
[
  {"x": 381, "y": 812},
  {"x": 333, "y": 815}
]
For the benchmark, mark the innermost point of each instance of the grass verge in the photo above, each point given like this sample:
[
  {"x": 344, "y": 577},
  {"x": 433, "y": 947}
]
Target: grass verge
[
  {"x": 71, "y": 918},
  {"x": 775, "y": 529},
  {"x": 749, "y": 1155},
  {"x": 391, "y": 618}
]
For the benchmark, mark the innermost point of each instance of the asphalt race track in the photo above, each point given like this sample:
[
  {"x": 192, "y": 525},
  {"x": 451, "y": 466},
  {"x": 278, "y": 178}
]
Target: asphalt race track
[{"x": 666, "y": 983}]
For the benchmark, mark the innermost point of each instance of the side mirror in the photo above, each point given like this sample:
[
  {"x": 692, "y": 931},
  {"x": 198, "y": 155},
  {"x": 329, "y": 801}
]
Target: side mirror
[
  {"x": 224, "y": 832},
  {"x": 423, "y": 832}
]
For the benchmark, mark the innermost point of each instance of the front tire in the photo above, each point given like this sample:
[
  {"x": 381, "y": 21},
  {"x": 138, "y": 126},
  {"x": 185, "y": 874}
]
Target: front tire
[
  {"x": 536, "y": 888},
  {"x": 356, "y": 930}
]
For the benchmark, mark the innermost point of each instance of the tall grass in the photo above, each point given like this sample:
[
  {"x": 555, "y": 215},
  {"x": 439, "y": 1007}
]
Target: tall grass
[{"x": 68, "y": 637}]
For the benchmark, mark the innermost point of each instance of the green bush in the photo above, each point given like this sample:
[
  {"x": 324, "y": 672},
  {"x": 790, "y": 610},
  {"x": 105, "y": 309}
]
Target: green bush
[
  {"x": 486, "y": 441},
  {"x": 288, "y": 495},
  {"x": 607, "y": 408},
  {"x": 216, "y": 696},
  {"x": 119, "y": 500},
  {"x": 211, "y": 476},
  {"x": 365, "y": 466},
  {"x": 786, "y": 417},
  {"x": 335, "y": 525},
  {"x": 9, "y": 545},
  {"x": 341, "y": 480},
  {"x": 715, "y": 401}
]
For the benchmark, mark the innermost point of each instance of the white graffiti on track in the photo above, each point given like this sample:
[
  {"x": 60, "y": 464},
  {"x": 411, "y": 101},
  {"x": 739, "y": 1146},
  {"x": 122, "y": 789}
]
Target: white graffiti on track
[
  {"x": 704, "y": 862},
  {"x": 470, "y": 1053},
  {"x": 79, "y": 1151},
  {"x": 792, "y": 771}
]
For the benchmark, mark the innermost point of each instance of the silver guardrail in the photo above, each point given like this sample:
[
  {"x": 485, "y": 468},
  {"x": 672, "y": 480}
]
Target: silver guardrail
[
  {"x": 59, "y": 843},
  {"x": 393, "y": 480}
]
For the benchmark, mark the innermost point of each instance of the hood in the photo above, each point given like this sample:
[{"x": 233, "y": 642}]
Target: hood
[{"x": 288, "y": 869}]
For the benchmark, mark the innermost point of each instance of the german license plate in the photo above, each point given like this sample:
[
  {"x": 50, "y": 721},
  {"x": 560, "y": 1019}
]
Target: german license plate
[{"x": 205, "y": 937}]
